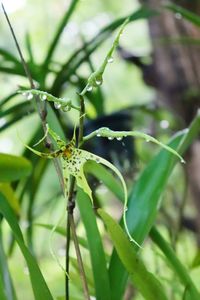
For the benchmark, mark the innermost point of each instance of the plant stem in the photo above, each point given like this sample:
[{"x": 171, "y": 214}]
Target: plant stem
[
  {"x": 79, "y": 258},
  {"x": 70, "y": 222},
  {"x": 70, "y": 210}
]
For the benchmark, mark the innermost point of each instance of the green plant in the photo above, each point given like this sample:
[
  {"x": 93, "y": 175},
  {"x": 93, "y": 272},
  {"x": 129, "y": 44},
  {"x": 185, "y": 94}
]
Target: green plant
[{"x": 109, "y": 273}]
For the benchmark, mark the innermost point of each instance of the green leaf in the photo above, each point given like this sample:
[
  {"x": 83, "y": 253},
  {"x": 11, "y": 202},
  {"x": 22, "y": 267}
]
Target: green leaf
[
  {"x": 59, "y": 31},
  {"x": 7, "y": 191},
  {"x": 65, "y": 104},
  {"x": 176, "y": 265},
  {"x": 96, "y": 78},
  {"x": 196, "y": 260},
  {"x": 106, "y": 177},
  {"x": 106, "y": 132},
  {"x": 185, "y": 13},
  {"x": 144, "y": 199},
  {"x": 97, "y": 254},
  {"x": 2, "y": 291},
  {"x": 80, "y": 56},
  {"x": 9, "y": 57},
  {"x": 5, "y": 274},
  {"x": 143, "y": 280},
  {"x": 40, "y": 288},
  {"x": 13, "y": 167}
]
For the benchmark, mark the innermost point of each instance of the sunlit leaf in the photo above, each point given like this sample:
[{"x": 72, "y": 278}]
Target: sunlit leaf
[{"x": 143, "y": 280}]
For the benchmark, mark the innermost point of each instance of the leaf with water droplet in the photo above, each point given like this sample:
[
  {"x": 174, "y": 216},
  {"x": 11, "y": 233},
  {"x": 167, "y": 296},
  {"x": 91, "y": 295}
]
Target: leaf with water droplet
[
  {"x": 29, "y": 96},
  {"x": 44, "y": 97},
  {"x": 111, "y": 134},
  {"x": 89, "y": 88},
  {"x": 57, "y": 105},
  {"x": 110, "y": 59},
  {"x": 63, "y": 103},
  {"x": 96, "y": 78}
]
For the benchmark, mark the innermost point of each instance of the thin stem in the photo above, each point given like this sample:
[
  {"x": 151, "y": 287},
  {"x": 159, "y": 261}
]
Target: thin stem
[
  {"x": 70, "y": 210},
  {"x": 79, "y": 258},
  {"x": 81, "y": 120},
  {"x": 70, "y": 222},
  {"x": 67, "y": 259}
]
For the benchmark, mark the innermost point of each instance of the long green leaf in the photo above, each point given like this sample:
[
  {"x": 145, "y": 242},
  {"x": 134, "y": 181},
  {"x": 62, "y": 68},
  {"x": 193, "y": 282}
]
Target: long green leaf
[
  {"x": 5, "y": 273},
  {"x": 2, "y": 290},
  {"x": 143, "y": 280},
  {"x": 40, "y": 288},
  {"x": 176, "y": 265},
  {"x": 59, "y": 31},
  {"x": 13, "y": 167},
  {"x": 8, "y": 192},
  {"x": 144, "y": 200},
  {"x": 97, "y": 254},
  {"x": 9, "y": 57},
  {"x": 100, "y": 172}
]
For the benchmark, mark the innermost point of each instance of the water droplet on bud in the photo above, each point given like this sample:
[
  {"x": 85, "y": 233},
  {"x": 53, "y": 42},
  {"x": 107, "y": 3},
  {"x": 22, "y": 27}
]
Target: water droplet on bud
[
  {"x": 178, "y": 16},
  {"x": 99, "y": 134},
  {"x": 44, "y": 97},
  {"x": 29, "y": 96},
  {"x": 98, "y": 160},
  {"x": 182, "y": 161},
  {"x": 89, "y": 88},
  {"x": 57, "y": 105},
  {"x": 119, "y": 138},
  {"x": 147, "y": 140},
  {"x": 24, "y": 94},
  {"x": 110, "y": 59},
  {"x": 98, "y": 81},
  {"x": 110, "y": 138}
]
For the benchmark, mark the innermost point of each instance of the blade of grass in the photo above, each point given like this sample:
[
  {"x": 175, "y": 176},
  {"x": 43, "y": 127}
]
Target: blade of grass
[
  {"x": 40, "y": 288},
  {"x": 100, "y": 172},
  {"x": 59, "y": 31},
  {"x": 2, "y": 291},
  {"x": 7, "y": 190},
  {"x": 176, "y": 265},
  {"x": 143, "y": 280},
  {"x": 13, "y": 167},
  {"x": 5, "y": 274},
  {"x": 7, "y": 98},
  {"x": 9, "y": 57},
  {"x": 97, "y": 254}
]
